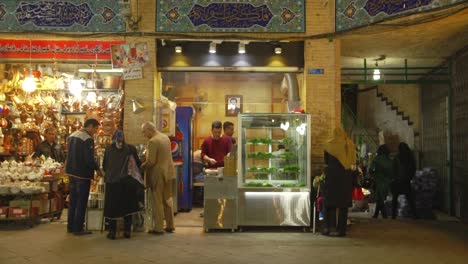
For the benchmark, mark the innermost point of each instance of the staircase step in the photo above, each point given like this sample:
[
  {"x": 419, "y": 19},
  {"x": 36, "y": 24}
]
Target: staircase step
[{"x": 394, "y": 107}]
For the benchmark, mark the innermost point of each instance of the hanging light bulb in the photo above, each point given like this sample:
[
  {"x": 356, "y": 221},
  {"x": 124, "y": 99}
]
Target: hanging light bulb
[
  {"x": 75, "y": 87},
  {"x": 29, "y": 84},
  {"x": 376, "y": 74}
]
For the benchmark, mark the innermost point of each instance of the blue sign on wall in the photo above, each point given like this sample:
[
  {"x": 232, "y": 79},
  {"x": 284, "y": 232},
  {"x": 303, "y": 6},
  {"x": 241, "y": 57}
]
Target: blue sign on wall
[
  {"x": 67, "y": 15},
  {"x": 316, "y": 71},
  {"x": 221, "y": 16},
  {"x": 356, "y": 13}
]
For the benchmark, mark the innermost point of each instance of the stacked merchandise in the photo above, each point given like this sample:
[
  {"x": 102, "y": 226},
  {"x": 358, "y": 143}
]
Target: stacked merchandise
[{"x": 424, "y": 185}]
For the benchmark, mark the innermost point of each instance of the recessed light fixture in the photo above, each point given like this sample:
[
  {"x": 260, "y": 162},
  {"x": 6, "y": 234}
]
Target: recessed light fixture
[
  {"x": 212, "y": 47},
  {"x": 241, "y": 47},
  {"x": 178, "y": 49},
  {"x": 278, "y": 50}
]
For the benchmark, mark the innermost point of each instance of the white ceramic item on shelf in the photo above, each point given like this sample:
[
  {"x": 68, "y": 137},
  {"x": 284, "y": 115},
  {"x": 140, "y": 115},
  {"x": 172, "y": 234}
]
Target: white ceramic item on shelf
[
  {"x": 14, "y": 189},
  {"x": 4, "y": 189},
  {"x": 31, "y": 176},
  {"x": 7, "y": 175},
  {"x": 21, "y": 176},
  {"x": 13, "y": 163},
  {"x": 17, "y": 176},
  {"x": 27, "y": 169}
]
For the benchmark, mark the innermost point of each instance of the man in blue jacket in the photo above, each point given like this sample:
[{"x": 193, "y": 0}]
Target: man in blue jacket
[{"x": 80, "y": 167}]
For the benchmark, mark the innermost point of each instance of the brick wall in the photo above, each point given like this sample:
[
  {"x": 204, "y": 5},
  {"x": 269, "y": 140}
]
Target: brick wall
[{"x": 323, "y": 93}]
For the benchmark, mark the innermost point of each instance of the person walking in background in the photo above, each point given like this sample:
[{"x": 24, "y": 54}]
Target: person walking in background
[
  {"x": 159, "y": 179},
  {"x": 405, "y": 169},
  {"x": 215, "y": 147},
  {"x": 80, "y": 167},
  {"x": 49, "y": 148},
  {"x": 228, "y": 131},
  {"x": 383, "y": 170},
  {"x": 339, "y": 155},
  {"x": 121, "y": 188}
]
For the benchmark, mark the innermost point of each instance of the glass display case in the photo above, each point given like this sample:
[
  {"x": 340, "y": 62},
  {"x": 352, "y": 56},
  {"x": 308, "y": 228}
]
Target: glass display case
[{"x": 274, "y": 169}]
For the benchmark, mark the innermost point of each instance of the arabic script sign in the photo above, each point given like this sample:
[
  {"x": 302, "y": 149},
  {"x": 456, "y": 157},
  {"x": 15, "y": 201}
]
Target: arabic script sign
[
  {"x": 227, "y": 15},
  {"x": 217, "y": 16},
  {"x": 356, "y": 13},
  {"x": 66, "y": 15},
  {"x": 60, "y": 14},
  {"x": 46, "y": 49}
]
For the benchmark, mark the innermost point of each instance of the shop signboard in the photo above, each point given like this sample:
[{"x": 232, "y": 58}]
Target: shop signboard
[
  {"x": 230, "y": 16},
  {"x": 55, "y": 49},
  {"x": 132, "y": 73},
  {"x": 129, "y": 55},
  {"x": 61, "y": 15}
]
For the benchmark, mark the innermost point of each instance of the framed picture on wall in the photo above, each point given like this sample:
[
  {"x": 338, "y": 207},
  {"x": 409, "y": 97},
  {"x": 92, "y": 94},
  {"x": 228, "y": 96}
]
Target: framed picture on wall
[{"x": 233, "y": 105}]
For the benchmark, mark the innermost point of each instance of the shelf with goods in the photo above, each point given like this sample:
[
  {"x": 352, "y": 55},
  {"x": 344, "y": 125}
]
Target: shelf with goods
[
  {"x": 56, "y": 102},
  {"x": 29, "y": 202},
  {"x": 268, "y": 164}
]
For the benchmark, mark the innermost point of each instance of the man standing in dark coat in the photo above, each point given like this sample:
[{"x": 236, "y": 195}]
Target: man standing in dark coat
[
  {"x": 340, "y": 155},
  {"x": 50, "y": 148},
  {"x": 80, "y": 167}
]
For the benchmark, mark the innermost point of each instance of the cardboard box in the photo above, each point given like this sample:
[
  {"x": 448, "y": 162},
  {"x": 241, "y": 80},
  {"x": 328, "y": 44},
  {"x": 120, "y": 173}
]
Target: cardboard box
[
  {"x": 53, "y": 204},
  {"x": 94, "y": 219},
  {"x": 20, "y": 203},
  {"x": 35, "y": 207},
  {"x": 230, "y": 166},
  {"x": 45, "y": 206},
  {"x": 18, "y": 213}
]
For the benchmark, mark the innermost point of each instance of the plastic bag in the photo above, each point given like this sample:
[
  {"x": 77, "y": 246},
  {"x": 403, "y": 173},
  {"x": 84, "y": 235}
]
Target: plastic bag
[{"x": 358, "y": 194}]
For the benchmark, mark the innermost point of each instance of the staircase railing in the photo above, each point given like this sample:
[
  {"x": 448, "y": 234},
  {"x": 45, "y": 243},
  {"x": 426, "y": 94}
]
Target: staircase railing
[{"x": 356, "y": 130}]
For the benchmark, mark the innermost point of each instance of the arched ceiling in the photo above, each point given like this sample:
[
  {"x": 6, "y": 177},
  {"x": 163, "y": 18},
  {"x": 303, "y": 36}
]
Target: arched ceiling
[{"x": 424, "y": 39}]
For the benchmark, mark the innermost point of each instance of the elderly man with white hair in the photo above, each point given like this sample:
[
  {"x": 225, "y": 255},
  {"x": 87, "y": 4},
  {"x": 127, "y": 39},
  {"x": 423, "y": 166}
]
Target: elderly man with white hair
[{"x": 159, "y": 178}]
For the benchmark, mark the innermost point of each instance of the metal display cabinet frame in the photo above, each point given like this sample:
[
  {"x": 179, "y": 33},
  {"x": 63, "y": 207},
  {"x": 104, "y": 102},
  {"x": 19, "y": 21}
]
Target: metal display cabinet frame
[{"x": 272, "y": 192}]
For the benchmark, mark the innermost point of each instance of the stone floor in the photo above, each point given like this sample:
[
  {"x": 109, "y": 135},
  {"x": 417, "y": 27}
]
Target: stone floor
[{"x": 368, "y": 241}]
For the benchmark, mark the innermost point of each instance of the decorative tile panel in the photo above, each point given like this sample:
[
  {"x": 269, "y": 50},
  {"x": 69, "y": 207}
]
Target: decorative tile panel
[
  {"x": 230, "y": 16},
  {"x": 67, "y": 15},
  {"x": 356, "y": 13}
]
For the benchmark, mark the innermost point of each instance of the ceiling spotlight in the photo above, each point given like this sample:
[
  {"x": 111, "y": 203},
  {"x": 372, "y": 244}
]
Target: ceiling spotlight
[
  {"x": 241, "y": 47},
  {"x": 212, "y": 47},
  {"x": 278, "y": 50},
  {"x": 178, "y": 49}
]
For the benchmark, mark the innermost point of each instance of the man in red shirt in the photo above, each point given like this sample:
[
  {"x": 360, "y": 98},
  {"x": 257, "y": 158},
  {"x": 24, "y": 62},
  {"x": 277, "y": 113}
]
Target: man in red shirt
[{"x": 215, "y": 147}]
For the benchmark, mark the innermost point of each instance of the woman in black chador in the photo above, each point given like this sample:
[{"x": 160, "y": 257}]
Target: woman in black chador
[
  {"x": 340, "y": 155},
  {"x": 121, "y": 198},
  {"x": 405, "y": 166}
]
